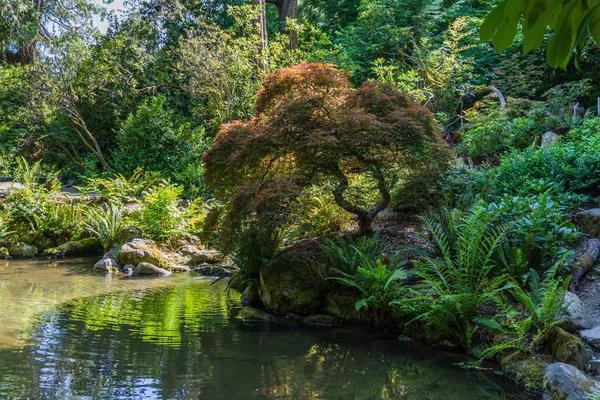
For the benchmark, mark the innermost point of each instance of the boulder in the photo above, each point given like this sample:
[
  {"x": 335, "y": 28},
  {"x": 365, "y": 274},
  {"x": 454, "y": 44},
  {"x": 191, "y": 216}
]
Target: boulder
[
  {"x": 22, "y": 250},
  {"x": 250, "y": 314},
  {"x": 591, "y": 337},
  {"x": 320, "y": 320},
  {"x": 588, "y": 222},
  {"x": 343, "y": 307},
  {"x": 290, "y": 284},
  {"x": 527, "y": 370},
  {"x": 207, "y": 257},
  {"x": 215, "y": 270},
  {"x": 565, "y": 382},
  {"x": 189, "y": 250},
  {"x": 566, "y": 348},
  {"x": 129, "y": 269},
  {"x": 549, "y": 138},
  {"x": 145, "y": 268},
  {"x": 574, "y": 316},
  {"x": 83, "y": 247},
  {"x": 143, "y": 250},
  {"x": 4, "y": 252},
  {"x": 108, "y": 263}
]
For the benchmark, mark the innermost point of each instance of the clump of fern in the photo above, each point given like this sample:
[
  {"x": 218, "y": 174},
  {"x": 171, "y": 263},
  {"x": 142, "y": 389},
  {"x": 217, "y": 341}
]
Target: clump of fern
[
  {"x": 360, "y": 264},
  {"x": 462, "y": 275},
  {"x": 108, "y": 225},
  {"x": 346, "y": 253}
]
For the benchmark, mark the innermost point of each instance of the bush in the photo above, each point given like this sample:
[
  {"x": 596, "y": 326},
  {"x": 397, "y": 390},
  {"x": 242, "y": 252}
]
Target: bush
[
  {"x": 155, "y": 138},
  {"x": 108, "y": 225},
  {"x": 491, "y": 135},
  {"x": 573, "y": 162},
  {"x": 123, "y": 189},
  {"x": 160, "y": 215}
]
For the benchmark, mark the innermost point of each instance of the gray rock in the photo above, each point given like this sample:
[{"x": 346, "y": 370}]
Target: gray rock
[
  {"x": 108, "y": 263},
  {"x": 214, "y": 270},
  {"x": 565, "y": 382},
  {"x": 189, "y": 250},
  {"x": 207, "y": 257},
  {"x": 574, "y": 315},
  {"x": 249, "y": 314},
  {"x": 591, "y": 337},
  {"x": 145, "y": 268},
  {"x": 22, "y": 250},
  {"x": 129, "y": 269},
  {"x": 549, "y": 138},
  {"x": 142, "y": 250},
  {"x": 588, "y": 221}
]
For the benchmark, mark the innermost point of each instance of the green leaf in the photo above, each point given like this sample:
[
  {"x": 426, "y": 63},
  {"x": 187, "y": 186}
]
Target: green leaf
[
  {"x": 561, "y": 45},
  {"x": 595, "y": 23},
  {"x": 536, "y": 23},
  {"x": 491, "y": 23}
]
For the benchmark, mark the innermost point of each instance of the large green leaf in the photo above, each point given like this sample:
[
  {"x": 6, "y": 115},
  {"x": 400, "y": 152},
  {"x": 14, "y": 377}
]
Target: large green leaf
[{"x": 561, "y": 45}]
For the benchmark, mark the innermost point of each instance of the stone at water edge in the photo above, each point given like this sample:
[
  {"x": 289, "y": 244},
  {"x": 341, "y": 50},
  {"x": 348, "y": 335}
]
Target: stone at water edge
[
  {"x": 574, "y": 315},
  {"x": 189, "y": 250},
  {"x": 207, "y": 257},
  {"x": 250, "y": 314},
  {"x": 145, "y": 268},
  {"x": 83, "y": 247},
  {"x": 129, "y": 269},
  {"x": 565, "y": 382},
  {"x": 591, "y": 337},
  {"x": 4, "y": 252},
  {"x": 323, "y": 320},
  {"x": 22, "y": 250},
  {"x": 142, "y": 250},
  {"x": 106, "y": 265}
]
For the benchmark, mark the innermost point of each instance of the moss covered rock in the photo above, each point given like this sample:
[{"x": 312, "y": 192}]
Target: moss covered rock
[
  {"x": 527, "y": 370},
  {"x": 323, "y": 320},
  {"x": 292, "y": 285},
  {"x": 588, "y": 222},
  {"x": 83, "y": 247},
  {"x": 566, "y": 348},
  {"x": 4, "y": 252},
  {"x": 565, "y": 382},
  {"x": 343, "y": 307},
  {"x": 22, "y": 250},
  {"x": 143, "y": 250},
  {"x": 108, "y": 263},
  {"x": 250, "y": 314}
]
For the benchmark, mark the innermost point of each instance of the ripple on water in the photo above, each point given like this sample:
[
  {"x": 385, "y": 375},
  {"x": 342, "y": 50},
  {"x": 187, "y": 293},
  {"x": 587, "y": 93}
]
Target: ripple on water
[{"x": 179, "y": 339}]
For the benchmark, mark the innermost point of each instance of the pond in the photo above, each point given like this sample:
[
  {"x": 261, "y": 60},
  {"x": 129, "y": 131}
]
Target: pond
[{"x": 69, "y": 334}]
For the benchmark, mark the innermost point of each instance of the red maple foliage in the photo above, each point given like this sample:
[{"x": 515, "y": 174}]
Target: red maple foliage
[{"x": 311, "y": 126}]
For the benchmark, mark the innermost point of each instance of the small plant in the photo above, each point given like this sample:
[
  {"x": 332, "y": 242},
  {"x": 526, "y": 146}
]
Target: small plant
[
  {"x": 108, "y": 225},
  {"x": 374, "y": 280},
  {"x": 544, "y": 298},
  {"x": 346, "y": 253},
  {"x": 462, "y": 277},
  {"x": 4, "y": 226},
  {"x": 124, "y": 188},
  {"x": 160, "y": 215}
]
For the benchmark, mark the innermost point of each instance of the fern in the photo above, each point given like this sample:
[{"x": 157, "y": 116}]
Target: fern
[{"x": 108, "y": 225}]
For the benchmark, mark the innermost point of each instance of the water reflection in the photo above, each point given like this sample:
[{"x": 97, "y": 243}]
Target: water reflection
[{"x": 184, "y": 342}]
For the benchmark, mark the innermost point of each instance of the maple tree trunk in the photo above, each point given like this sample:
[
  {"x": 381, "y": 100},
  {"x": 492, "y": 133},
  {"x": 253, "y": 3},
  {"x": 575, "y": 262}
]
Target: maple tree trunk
[{"x": 264, "y": 38}]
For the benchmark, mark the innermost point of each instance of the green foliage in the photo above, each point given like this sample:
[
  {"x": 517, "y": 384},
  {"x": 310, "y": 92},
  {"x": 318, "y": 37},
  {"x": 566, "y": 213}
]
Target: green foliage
[
  {"x": 544, "y": 297},
  {"x": 156, "y": 139},
  {"x": 108, "y": 225},
  {"x": 495, "y": 133},
  {"x": 122, "y": 188},
  {"x": 345, "y": 253},
  {"x": 462, "y": 278},
  {"x": 160, "y": 215},
  {"x": 318, "y": 215},
  {"x": 574, "y": 162},
  {"x": 61, "y": 220},
  {"x": 359, "y": 264},
  {"x": 572, "y": 22}
]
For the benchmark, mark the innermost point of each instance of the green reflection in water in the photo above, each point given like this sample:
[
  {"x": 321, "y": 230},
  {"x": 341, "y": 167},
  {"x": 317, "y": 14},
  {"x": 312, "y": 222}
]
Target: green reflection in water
[{"x": 184, "y": 342}]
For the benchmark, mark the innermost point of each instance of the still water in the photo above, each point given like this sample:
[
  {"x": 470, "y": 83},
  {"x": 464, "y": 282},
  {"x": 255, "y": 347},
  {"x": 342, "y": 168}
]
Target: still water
[{"x": 68, "y": 334}]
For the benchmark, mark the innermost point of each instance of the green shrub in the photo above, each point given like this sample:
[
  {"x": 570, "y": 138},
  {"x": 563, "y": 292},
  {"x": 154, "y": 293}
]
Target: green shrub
[
  {"x": 346, "y": 253},
  {"x": 108, "y": 225},
  {"x": 121, "y": 188},
  {"x": 574, "y": 162},
  {"x": 495, "y": 133},
  {"x": 462, "y": 277},
  {"x": 157, "y": 139},
  {"x": 160, "y": 215}
]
